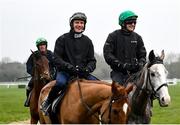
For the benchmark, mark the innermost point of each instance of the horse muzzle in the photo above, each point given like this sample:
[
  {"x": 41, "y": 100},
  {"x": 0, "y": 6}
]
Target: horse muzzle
[
  {"x": 164, "y": 101},
  {"x": 45, "y": 76}
]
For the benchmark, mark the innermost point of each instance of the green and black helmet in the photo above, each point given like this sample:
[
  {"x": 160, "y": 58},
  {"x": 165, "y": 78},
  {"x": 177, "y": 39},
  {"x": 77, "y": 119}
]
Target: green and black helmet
[
  {"x": 41, "y": 41},
  {"x": 127, "y": 15}
]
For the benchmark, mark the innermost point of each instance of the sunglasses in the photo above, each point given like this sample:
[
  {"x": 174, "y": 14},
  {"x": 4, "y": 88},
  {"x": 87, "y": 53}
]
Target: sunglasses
[{"x": 130, "y": 21}]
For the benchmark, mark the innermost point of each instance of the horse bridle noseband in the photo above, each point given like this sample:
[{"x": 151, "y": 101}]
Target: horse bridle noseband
[
  {"x": 112, "y": 100},
  {"x": 154, "y": 92},
  {"x": 41, "y": 76}
]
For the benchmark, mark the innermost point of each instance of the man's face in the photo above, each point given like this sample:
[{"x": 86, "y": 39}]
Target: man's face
[
  {"x": 130, "y": 25},
  {"x": 78, "y": 26},
  {"x": 42, "y": 48}
]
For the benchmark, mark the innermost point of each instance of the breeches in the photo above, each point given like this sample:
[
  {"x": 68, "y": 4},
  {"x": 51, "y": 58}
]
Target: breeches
[{"x": 62, "y": 79}]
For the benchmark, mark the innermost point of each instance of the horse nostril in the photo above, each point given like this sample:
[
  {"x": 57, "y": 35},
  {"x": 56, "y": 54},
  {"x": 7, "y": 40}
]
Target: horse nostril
[{"x": 163, "y": 99}]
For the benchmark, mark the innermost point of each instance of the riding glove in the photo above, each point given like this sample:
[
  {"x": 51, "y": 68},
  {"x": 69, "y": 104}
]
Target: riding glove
[{"x": 82, "y": 70}]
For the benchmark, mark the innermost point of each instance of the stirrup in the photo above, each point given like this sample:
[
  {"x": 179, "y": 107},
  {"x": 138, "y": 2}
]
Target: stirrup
[
  {"x": 26, "y": 103},
  {"x": 45, "y": 108}
]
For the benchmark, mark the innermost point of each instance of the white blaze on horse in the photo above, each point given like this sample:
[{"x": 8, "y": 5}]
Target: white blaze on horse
[{"x": 150, "y": 84}]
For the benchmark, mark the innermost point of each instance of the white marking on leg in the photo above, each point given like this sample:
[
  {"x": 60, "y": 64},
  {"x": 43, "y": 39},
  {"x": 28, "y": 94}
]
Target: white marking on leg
[{"x": 125, "y": 107}]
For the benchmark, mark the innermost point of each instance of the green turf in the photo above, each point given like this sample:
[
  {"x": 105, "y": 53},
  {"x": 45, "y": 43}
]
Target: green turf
[
  {"x": 12, "y": 109},
  {"x": 170, "y": 114},
  {"x": 11, "y": 105}
]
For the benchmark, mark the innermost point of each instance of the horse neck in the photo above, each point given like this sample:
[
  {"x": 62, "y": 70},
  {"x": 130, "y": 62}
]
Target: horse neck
[
  {"x": 99, "y": 94},
  {"x": 140, "y": 97}
]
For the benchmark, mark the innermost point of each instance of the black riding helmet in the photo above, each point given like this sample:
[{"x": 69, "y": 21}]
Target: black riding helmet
[{"x": 77, "y": 16}]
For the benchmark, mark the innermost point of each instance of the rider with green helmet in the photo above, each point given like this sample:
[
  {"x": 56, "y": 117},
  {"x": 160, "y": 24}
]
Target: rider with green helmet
[
  {"x": 41, "y": 44},
  {"x": 124, "y": 49},
  {"x": 127, "y": 15},
  {"x": 41, "y": 41}
]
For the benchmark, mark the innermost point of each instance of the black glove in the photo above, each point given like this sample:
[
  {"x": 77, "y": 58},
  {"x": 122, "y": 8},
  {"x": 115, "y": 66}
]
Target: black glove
[
  {"x": 86, "y": 71},
  {"x": 140, "y": 65},
  {"x": 128, "y": 66},
  {"x": 71, "y": 69},
  {"x": 83, "y": 71},
  {"x": 118, "y": 65}
]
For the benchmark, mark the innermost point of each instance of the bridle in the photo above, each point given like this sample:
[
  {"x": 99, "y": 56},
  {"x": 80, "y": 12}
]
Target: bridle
[
  {"x": 36, "y": 77},
  {"x": 111, "y": 101},
  {"x": 152, "y": 92}
]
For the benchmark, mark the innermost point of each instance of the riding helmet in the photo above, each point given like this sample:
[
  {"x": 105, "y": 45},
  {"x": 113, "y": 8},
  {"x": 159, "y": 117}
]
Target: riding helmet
[
  {"x": 77, "y": 16},
  {"x": 126, "y": 15},
  {"x": 41, "y": 41}
]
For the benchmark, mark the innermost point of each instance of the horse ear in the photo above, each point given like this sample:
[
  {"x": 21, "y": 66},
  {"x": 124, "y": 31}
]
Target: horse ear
[
  {"x": 151, "y": 56},
  {"x": 114, "y": 87},
  {"x": 129, "y": 88},
  {"x": 162, "y": 55},
  {"x": 32, "y": 51}
]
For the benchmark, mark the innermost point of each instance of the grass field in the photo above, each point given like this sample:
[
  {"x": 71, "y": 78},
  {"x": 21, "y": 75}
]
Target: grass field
[
  {"x": 170, "y": 114},
  {"x": 12, "y": 109},
  {"x": 11, "y": 105}
]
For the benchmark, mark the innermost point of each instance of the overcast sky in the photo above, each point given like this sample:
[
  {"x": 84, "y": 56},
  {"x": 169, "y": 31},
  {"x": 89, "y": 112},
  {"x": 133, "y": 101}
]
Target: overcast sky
[{"x": 23, "y": 21}]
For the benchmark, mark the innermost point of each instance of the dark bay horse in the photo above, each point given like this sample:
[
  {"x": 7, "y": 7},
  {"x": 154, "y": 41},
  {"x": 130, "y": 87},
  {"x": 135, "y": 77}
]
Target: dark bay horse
[
  {"x": 150, "y": 85},
  {"x": 40, "y": 77},
  {"x": 90, "y": 102}
]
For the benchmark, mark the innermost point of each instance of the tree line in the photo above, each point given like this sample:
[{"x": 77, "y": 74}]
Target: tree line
[{"x": 11, "y": 71}]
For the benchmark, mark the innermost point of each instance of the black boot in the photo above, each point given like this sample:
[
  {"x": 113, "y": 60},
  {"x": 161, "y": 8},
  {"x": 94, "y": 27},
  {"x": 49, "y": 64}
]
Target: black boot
[
  {"x": 27, "y": 101},
  {"x": 47, "y": 103}
]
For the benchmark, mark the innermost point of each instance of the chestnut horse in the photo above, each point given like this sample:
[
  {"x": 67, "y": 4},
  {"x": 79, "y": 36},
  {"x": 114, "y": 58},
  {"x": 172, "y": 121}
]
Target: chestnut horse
[
  {"x": 90, "y": 102},
  {"x": 150, "y": 85},
  {"x": 40, "y": 77}
]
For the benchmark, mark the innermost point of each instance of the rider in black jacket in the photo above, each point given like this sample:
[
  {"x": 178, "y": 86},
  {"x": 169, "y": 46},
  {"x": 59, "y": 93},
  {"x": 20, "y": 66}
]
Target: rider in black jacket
[
  {"x": 74, "y": 55},
  {"x": 41, "y": 44},
  {"x": 124, "y": 49}
]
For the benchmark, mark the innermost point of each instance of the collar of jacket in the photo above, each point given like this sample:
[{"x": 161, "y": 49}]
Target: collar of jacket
[
  {"x": 75, "y": 35},
  {"x": 125, "y": 32}
]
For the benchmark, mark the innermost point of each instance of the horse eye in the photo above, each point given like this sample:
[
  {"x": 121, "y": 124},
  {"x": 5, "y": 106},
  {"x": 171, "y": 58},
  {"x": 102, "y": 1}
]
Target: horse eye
[{"x": 152, "y": 74}]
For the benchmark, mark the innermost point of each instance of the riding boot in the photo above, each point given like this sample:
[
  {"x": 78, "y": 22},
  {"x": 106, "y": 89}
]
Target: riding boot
[
  {"x": 27, "y": 101},
  {"x": 47, "y": 103}
]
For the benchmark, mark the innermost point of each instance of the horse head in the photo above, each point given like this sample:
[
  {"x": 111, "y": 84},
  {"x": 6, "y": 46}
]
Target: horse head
[
  {"x": 157, "y": 76},
  {"x": 41, "y": 66},
  {"x": 116, "y": 110}
]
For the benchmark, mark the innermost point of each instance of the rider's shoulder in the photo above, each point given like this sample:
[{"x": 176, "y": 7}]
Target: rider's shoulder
[
  {"x": 62, "y": 37},
  {"x": 115, "y": 32}
]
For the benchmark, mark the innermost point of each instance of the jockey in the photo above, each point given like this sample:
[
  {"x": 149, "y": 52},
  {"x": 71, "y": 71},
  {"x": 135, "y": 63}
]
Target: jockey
[
  {"x": 124, "y": 49},
  {"x": 41, "y": 44},
  {"x": 74, "y": 55}
]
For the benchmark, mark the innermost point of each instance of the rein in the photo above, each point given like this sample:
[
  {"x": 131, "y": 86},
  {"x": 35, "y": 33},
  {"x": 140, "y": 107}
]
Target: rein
[
  {"x": 84, "y": 103},
  {"x": 112, "y": 100},
  {"x": 154, "y": 91}
]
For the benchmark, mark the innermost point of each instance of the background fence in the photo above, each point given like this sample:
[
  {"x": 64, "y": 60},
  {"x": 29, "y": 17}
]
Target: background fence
[{"x": 23, "y": 84}]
